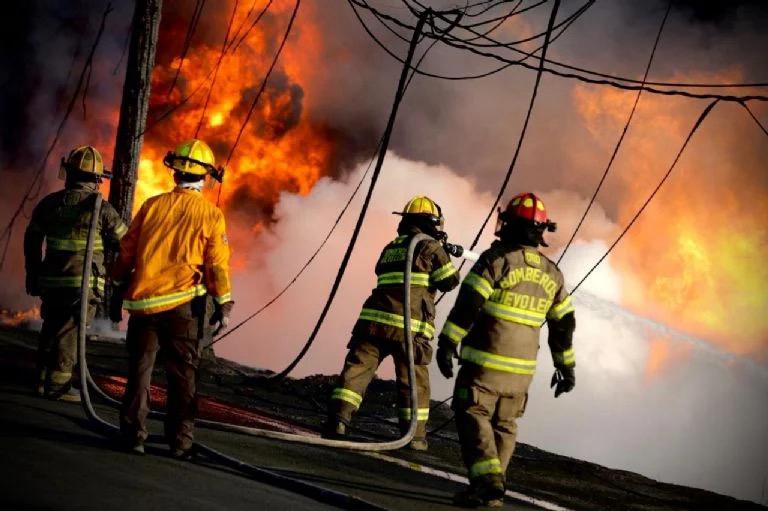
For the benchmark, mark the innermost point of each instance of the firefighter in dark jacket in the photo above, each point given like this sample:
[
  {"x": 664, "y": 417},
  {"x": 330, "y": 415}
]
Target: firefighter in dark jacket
[
  {"x": 503, "y": 302},
  {"x": 62, "y": 219},
  {"x": 379, "y": 328}
]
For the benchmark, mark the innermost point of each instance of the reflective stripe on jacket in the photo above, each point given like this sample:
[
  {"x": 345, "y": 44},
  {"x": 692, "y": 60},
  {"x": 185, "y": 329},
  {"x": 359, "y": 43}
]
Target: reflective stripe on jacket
[
  {"x": 382, "y": 313},
  {"x": 61, "y": 222},
  {"x": 503, "y": 302},
  {"x": 177, "y": 249}
]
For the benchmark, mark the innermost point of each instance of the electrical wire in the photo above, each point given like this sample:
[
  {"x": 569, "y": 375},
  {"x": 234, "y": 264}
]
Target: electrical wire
[
  {"x": 336, "y": 223},
  {"x": 521, "y": 138},
  {"x": 35, "y": 186},
  {"x": 261, "y": 90},
  {"x": 247, "y": 32},
  {"x": 663, "y": 180},
  {"x": 216, "y": 68},
  {"x": 191, "y": 28},
  {"x": 621, "y": 137},
  {"x": 754, "y": 118},
  {"x": 610, "y": 80}
]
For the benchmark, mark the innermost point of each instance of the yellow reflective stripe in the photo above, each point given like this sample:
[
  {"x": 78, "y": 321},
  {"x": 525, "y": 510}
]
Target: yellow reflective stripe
[
  {"x": 454, "y": 332},
  {"x": 120, "y": 230},
  {"x": 484, "y": 467},
  {"x": 479, "y": 284},
  {"x": 400, "y": 239},
  {"x": 74, "y": 281},
  {"x": 226, "y": 297},
  {"x": 561, "y": 309},
  {"x": 60, "y": 377},
  {"x": 566, "y": 358},
  {"x": 162, "y": 300},
  {"x": 498, "y": 362},
  {"x": 350, "y": 396},
  {"x": 396, "y": 320},
  {"x": 398, "y": 277},
  {"x": 513, "y": 314},
  {"x": 71, "y": 245},
  {"x": 443, "y": 272},
  {"x": 421, "y": 415}
]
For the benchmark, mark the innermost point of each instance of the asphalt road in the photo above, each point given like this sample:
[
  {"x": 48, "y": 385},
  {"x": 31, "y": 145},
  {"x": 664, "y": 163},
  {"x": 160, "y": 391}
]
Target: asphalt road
[{"x": 53, "y": 459}]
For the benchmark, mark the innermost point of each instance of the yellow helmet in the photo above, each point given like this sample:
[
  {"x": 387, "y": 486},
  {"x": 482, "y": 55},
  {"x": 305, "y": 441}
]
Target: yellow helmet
[
  {"x": 422, "y": 204},
  {"x": 425, "y": 213},
  {"x": 85, "y": 159},
  {"x": 193, "y": 157}
]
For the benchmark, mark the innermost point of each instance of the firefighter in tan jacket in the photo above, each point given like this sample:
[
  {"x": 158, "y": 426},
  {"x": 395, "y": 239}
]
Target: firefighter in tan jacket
[
  {"x": 503, "y": 302},
  {"x": 379, "y": 332},
  {"x": 174, "y": 254}
]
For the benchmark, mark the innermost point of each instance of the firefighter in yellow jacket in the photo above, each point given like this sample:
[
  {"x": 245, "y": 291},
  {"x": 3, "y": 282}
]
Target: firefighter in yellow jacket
[
  {"x": 379, "y": 332},
  {"x": 62, "y": 220},
  {"x": 503, "y": 302},
  {"x": 174, "y": 253}
]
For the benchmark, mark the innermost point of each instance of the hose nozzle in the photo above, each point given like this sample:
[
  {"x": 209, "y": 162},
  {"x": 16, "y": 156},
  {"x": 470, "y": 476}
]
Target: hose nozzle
[{"x": 459, "y": 251}]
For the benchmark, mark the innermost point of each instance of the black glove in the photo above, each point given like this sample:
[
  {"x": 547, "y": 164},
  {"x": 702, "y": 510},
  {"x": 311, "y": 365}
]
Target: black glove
[
  {"x": 563, "y": 380},
  {"x": 220, "y": 316},
  {"x": 446, "y": 352},
  {"x": 33, "y": 288}
]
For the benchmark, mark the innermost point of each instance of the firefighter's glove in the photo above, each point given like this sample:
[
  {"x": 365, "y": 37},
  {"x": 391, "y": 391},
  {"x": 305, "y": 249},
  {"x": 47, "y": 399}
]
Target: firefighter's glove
[
  {"x": 446, "y": 352},
  {"x": 33, "y": 288},
  {"x": 220, "y": 318},
  {"x": 563, "y": 380}
]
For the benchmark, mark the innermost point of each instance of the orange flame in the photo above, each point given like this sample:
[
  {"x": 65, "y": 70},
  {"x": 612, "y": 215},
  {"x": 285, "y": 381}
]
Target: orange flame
[
  {"x": 695, "y": 259},
  {"x": 19, "y": 318},
  {"x": 280, "y": 149}
]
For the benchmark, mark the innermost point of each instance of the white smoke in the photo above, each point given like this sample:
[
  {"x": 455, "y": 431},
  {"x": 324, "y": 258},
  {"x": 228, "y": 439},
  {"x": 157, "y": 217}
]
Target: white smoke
[{"x": 702, "y": 421}]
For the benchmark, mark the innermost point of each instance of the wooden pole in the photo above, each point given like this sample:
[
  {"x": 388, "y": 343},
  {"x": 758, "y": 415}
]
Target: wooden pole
[
  {"x": 133, "y": 115},
  {"x": 134, "y": 106}
]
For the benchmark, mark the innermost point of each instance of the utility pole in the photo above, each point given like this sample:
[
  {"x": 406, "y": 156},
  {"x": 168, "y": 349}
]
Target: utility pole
[
  {"x": 134, "y": 106},
  {"x": 133, "y": 113}
]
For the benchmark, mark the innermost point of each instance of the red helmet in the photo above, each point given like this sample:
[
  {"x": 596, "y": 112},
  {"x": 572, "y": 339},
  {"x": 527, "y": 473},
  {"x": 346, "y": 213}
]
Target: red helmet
[{"x": 527, "y": 207}]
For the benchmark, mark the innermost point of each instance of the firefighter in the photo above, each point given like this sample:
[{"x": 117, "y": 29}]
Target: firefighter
[
  {"x": 510, "y": 292},
  {"x": 62, "y": 220},
  {"x": 379, "y": 328},
  {"x": 174, "y": 253}
]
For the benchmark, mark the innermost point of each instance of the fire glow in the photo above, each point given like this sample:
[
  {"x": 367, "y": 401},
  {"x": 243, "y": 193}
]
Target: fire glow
[
  {"x": 280, "y": 149},
  {"x": 694, "y": 260}
]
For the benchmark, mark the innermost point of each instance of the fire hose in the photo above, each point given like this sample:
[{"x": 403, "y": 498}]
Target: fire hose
[{"x": 87, "y": 381}]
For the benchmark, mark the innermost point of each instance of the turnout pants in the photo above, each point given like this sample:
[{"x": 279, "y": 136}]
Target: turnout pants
[
  {"x": 487, "y": 408},
  {"x": 360, "y": 365},
  {"x": 176, "y": 334},
  {"x": 57, "y": 344}
]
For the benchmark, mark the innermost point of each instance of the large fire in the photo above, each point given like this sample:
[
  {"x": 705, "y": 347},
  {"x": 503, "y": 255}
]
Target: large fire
[
  {"x": 695, "y": 260},
  {"x": 280, "y": 149}
]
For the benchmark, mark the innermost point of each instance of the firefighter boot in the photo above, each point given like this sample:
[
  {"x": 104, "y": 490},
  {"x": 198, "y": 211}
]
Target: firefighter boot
[
  {"x": 484, "y": 491},
  {"x": 418, "y": 444},
  {"x": 334, "y": 429}
]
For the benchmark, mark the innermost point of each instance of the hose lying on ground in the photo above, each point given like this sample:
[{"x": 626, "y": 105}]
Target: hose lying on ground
[
  {"x": 267, "y": 476},
  {"x": 87, "y": 380}
]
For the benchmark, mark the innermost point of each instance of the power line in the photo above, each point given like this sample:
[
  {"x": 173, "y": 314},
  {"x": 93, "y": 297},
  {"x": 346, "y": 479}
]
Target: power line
[
  {"x": 610, "y": 80},
  {"x": 344, "y": 209},
  {"x": 216, "y": 68},
  {"x": 639, "y": 212},
  {"x": 233, "y": 46},
  {"x": 521, "y": 138},
  {"x": 754, "y": 118},
  {"x": 621, "y": 137},
  {"x": 261, "y": 89},
  {"x": 191, "y": 28},
  {"x": 31, "y": 193}
]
